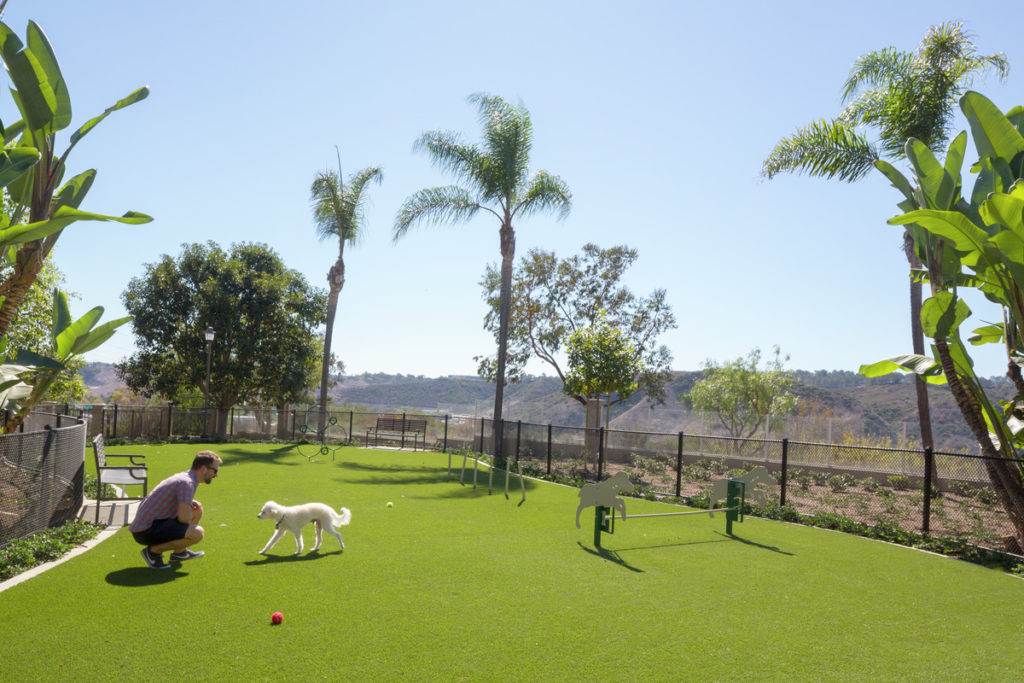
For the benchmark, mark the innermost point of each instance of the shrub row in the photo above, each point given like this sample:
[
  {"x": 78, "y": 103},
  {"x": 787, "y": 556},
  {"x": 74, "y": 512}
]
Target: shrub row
[{"x": 25, "y": 553}]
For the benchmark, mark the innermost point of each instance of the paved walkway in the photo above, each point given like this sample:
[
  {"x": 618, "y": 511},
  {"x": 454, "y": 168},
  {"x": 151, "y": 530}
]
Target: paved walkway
[{"x": 115, "y": 516}]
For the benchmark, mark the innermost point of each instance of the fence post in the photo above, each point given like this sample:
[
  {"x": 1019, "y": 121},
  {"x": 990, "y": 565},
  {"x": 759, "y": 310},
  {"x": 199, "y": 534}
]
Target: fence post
[
  {"x": 929, "y": 466},
  {"x": 114, "y": 435},
  {"x": 519, "y": 431},
  {"x": 782, "y": 479},
  {"x": 549, "y": 448},
  {"x": 231, "y": 426},
  {"x": 350, "y": 437},
  {"x": 445, "y": 447},
  {"x": 600, "y": 452},
  {"x": 480, "y": 448},
  {"x": 170, "y": 419},
  {"x": 679, "y": 466}
]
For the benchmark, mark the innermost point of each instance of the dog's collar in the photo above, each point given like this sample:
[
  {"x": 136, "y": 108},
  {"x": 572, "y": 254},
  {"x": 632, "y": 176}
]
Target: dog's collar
[{"x": 278, "y": 525}]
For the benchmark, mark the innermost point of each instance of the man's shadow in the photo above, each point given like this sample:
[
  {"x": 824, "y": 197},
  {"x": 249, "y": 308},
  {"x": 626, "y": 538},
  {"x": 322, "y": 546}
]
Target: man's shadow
[{"x": 133, "y": 577}]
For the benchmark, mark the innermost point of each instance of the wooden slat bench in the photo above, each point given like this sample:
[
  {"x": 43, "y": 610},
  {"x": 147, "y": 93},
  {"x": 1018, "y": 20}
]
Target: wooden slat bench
[
  {"x": 135, "y": 474},
  {"x": 400, "y": 429}
]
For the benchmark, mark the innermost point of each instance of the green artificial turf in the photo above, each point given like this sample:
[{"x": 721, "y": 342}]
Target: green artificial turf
[{"x": 454, "y": 584}]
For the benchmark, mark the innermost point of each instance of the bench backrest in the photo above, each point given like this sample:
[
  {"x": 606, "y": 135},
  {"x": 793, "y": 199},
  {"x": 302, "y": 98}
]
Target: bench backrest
[
  {"x": 398, "y": 424},
  {"x": 99, "y": 452}
]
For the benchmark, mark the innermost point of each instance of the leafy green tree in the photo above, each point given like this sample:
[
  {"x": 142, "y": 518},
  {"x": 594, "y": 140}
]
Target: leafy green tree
[
  {"x": 264, "y": 316},
  {"x": 35, "y": 211},
  {"x": 496, "y": 181},
  {"x": 742, "y": 394},
  {"x": 901, "y": 95},
  {"x": 974, "y": 243},
  {"x": 553, "y": 299},
  {"x": 338, "y": 213},
  {"x": 30, "y": 330},
  {"x": 602, "y": 361}
]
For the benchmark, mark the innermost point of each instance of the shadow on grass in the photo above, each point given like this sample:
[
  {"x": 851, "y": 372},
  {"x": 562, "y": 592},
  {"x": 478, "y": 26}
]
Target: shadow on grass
[
  {"x": 611, "y": 556},
  {"x": 307, "y": 557},
  {"x": 134, "y": 577},
  {"x": 236, "y": 456},
  {"x": 398, "y": 474},
  {"x": 774, "y": 549}
]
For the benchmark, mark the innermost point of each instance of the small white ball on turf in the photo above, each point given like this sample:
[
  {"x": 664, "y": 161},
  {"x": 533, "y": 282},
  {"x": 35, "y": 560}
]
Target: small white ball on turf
[{"x": 390, "y": 504}]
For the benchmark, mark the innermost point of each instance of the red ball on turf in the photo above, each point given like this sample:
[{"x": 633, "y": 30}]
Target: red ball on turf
[{"x": 276, "y": 618}]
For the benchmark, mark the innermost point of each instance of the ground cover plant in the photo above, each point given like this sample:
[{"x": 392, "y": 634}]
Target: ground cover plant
[{"x": 452, "y": 583}]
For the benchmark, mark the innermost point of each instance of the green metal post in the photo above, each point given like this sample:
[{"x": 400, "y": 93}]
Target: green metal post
[{"x": 734, "y": 501}]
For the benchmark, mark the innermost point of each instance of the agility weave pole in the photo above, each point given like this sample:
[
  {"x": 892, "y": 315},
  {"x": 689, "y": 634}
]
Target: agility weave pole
[
  {"x": 604, "y": 516},
  {"x": 490, "y": 476}
]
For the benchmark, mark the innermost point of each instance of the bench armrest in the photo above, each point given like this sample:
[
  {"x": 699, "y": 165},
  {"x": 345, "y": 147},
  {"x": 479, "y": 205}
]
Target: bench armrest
[{"x": 141, "y": 462}]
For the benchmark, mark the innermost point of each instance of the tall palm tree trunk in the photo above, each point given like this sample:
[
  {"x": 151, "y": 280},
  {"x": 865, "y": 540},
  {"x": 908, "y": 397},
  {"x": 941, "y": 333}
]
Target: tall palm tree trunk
[
  {"x": 336, "y": 280},
  {"x": 924, "y": 415},
  {"x": 508, "y": 252}
]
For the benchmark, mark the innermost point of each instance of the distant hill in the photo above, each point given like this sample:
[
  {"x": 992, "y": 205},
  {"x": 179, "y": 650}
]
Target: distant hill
[{"x": 832, "y": 403}]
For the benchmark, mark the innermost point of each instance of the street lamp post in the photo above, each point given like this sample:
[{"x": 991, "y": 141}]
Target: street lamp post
[{"x": 206, "y": 394}]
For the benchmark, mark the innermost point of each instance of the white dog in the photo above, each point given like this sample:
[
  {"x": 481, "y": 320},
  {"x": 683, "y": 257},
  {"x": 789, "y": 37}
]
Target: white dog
[{"x": 297, "y": 516}]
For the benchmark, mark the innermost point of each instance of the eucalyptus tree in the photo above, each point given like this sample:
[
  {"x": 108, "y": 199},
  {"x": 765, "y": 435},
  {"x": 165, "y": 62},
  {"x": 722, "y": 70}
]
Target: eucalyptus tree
[
  {"x": 901, "y": 95},
  {"x": 553, "y": 298},
  {"x": 338, "y": 212},
  {"x": 496, "y": 181}
]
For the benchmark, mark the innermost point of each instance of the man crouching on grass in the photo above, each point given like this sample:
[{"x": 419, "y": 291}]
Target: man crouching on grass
[{"x": 168, "y": 518}]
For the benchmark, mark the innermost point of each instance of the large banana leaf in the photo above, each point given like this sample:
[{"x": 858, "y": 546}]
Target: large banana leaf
[
  {"x": 16, "y": 161},
  {"x": 136, "y": 96},
  {"x": 924, "y": 367},
  {"x": 994, "y": 134}
]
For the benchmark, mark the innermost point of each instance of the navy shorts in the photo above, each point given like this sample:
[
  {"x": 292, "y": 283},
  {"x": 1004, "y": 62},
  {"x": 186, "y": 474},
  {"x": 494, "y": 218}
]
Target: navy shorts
[{"x": 162, "y": 531}]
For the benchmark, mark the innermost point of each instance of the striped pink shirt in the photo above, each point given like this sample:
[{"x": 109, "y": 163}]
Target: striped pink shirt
[{"x": 162, "y": 501}]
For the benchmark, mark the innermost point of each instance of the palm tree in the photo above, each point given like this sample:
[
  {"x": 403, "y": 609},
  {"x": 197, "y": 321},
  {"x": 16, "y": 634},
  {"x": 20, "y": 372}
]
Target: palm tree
[
  {"x": 337, "y": 212},
  {"x": 903, "y": 95},
  {"x": 495, "y": 175}
]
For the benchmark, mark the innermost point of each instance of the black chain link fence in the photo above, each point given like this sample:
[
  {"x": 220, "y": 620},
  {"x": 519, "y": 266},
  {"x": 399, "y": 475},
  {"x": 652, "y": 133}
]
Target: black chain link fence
[
  {"x": 863, "y": 483},
  {"x": 42, "y": 472}
]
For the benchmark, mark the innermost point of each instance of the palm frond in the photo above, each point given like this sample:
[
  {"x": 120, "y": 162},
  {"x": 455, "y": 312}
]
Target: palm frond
[
  {"x": 507, "y": 141},
  {"x": 328, "y": 207},
  {"x": 438, "y": 204},
  {"x": 354, "y": 199},
  {"x": 545, "y": 192},
  {"x": 829, "y": 149},
  {"x": 449, "y": 153},
  {"x": 877, "y": 69},
  {"x": 338, "y": 211}
]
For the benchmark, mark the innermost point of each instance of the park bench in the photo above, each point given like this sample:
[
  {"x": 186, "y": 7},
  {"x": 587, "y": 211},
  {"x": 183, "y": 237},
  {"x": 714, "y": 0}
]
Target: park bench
[
  {"x": 135, "y": 474},
  {"x": 398, "y": 428}
]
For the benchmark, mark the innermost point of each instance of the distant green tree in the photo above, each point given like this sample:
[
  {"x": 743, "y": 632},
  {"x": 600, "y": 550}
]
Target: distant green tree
[
  {"x": 264, "y": 315},
  {"x": 743, "y": 395},
  {"x": 338, "y": 213},
  {"x": 497, "y": 183}
]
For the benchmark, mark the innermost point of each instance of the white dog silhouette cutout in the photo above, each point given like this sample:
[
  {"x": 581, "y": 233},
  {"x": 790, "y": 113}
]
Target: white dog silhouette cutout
[{"x": 604, "y": 493}]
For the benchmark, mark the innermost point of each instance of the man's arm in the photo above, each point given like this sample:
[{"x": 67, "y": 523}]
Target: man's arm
[{"x": 185, "y": 512}]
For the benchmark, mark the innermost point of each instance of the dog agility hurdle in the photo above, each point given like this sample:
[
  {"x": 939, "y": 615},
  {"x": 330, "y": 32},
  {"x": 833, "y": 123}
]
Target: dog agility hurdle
[{"x": 605, "y": 499}]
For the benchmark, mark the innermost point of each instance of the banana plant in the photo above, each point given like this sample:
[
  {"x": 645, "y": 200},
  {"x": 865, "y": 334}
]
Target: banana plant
[
  {"x": 31, "y": 169},
  {"x": 978, "y": 244},
  {"x": 37, "y": 372}
]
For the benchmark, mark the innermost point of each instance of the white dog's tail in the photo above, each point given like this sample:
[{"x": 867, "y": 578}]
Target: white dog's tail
[{"x": 343, "y": 518}]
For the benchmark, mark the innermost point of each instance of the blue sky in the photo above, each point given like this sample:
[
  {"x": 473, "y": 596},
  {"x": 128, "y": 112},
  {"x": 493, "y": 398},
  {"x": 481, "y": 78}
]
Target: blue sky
[{"x": 656, "y": 114}]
